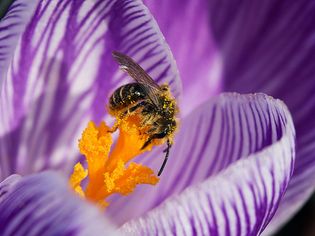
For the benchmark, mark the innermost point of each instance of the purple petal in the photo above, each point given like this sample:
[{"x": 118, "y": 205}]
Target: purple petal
[
  {"x": 269, "y": 47},
  {"x": 254, "y": 171},
  {"x": 12, "y": 26},
  {"x": 185, "y": 25},
  {"x": 7, "y": 184},
  {"x": 43, "y": 204},
  {"x": 63, "y": 73},
  {"x": 215, "y": 136}
]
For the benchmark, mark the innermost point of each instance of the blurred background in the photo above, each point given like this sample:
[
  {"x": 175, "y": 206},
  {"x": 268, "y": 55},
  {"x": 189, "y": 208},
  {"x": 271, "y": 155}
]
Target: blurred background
[
  {"x": 302, "y": 224},
  {"x": 4, "y": 4}
]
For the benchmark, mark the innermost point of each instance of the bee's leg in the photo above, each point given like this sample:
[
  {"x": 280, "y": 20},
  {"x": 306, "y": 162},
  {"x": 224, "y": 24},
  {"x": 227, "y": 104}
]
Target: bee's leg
[
  {"x": 134, "y": 108},
  {"x": 154, "y": 136},
  {"x": 169, "y": 145},
  {"x": 129, "y": 111},
  {"x": 147, "y": 120},
  {"x": 146, "y": 143},
  {"x": 114, "y": 128},
  {"x": 150, "y": 131},
  {"x": 167, "y": 152},
  {"x": 148, "y": 108},
  {"x": 123, "y": 115}
]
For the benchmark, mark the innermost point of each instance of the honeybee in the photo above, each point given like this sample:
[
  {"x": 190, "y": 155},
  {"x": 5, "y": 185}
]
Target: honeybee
[{"x": 153, "y": 103}]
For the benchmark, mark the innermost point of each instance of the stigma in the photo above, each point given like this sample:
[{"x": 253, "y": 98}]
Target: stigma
[{"x": 110, "y": 169}]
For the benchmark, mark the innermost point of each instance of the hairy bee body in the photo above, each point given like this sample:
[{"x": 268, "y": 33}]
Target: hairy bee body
[
  {"x": 151, "y": 102},
  {"x": 132, "y": 99},
  {"x": 125, "y": 96}
]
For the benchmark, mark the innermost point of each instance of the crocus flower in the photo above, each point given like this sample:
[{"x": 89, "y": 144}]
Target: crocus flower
[{"x": 233, "y": 155}]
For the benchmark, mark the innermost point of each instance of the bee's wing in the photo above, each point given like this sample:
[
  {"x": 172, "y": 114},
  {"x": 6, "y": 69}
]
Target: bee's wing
[{"x": 128, "y": 65}]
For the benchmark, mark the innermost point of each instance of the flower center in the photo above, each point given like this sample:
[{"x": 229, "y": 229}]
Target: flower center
[{"x": 109, "y": 172}]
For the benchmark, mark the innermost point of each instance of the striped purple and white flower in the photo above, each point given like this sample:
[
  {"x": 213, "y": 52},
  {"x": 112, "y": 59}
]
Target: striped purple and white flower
[{"x": 233, "y": 156}]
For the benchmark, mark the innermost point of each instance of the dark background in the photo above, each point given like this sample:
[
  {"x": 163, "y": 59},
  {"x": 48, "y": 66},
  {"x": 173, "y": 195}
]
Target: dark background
[
  {"x": 4, "y": 4},
  {"x": 303, "y": 223}
]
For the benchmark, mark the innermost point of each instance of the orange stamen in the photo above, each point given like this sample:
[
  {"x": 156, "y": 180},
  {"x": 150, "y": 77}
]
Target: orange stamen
[{"x": 108, "y": 173}]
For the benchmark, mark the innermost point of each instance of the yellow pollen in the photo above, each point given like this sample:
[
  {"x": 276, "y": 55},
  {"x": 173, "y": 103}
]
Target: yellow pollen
[{"x": 109, "y": 171}]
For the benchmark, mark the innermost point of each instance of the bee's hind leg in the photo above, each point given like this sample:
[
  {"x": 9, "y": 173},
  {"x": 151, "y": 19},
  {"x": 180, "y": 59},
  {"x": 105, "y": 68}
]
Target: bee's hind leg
[{"x": 167, "y": 152}]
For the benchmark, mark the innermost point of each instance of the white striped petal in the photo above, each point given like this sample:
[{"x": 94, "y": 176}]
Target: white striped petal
[
  {"x": 63, "y": 74},
  {"x": 12, "y": 26},
  {"x": 269, "y": 47},
  {"x": 7, "y": 184},
  {"x": 43, "y": 205},
  {"x": 228, "y": 179}
]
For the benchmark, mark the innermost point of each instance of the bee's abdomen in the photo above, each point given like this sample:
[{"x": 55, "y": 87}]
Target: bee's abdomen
[{"x": 126, "y": 95}]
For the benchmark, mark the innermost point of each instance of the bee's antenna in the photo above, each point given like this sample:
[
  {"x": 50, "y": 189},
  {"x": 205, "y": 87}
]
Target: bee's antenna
[{"x": 167, "y": 151}]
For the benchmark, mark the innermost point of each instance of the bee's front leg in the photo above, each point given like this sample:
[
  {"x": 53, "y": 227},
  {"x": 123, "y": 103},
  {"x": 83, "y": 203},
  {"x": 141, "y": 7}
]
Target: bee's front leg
[{"x": 114, "y": 128}]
